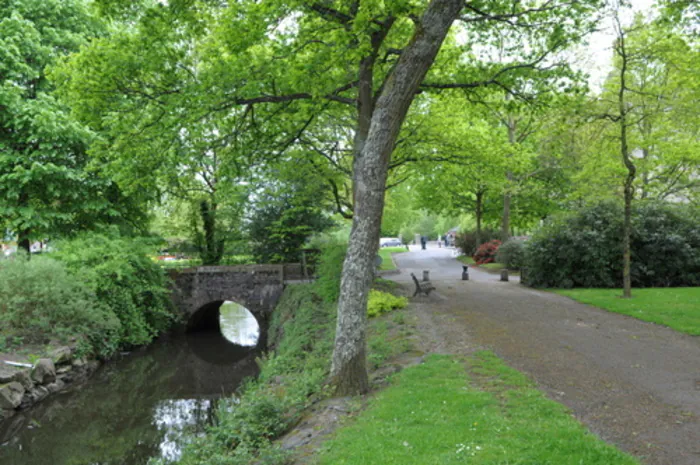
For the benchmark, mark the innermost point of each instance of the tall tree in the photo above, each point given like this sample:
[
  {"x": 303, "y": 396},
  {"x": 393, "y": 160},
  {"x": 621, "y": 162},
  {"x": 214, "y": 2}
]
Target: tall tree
[
  {"x": 298, "y": 59},
  {"x": 45, "y": 189}
]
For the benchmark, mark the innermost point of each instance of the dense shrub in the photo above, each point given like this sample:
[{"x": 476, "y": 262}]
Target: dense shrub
[
  {"x": 486, "y": 253},
  {"x": 383, "y": 302},
  {"x": 467, "y": 243},
  {"x": 584, "y": 249},
  {"x": 40, "y": 302},
  {"x": 123, "y": 277},
  {"x": 512, "y": 254}
]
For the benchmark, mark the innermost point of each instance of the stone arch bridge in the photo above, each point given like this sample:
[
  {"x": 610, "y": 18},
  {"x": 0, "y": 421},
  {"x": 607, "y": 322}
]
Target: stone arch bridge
[{"x": 198, "y": 292}]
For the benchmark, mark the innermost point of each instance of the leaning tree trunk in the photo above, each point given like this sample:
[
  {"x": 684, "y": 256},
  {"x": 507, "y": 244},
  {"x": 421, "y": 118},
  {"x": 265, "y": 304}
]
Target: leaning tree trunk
[{"x": 349, "y": 369}]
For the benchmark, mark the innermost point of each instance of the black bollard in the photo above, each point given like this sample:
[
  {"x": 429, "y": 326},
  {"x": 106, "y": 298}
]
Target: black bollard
[{"x": 465, "y": 273}]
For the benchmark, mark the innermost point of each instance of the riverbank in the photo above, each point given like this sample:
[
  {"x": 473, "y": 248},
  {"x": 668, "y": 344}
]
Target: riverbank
[{"x": 27, "y": 380}]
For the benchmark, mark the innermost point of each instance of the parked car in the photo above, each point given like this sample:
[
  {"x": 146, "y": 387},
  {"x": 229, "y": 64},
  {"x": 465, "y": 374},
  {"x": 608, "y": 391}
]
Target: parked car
[{"x": 390, "y": 242}]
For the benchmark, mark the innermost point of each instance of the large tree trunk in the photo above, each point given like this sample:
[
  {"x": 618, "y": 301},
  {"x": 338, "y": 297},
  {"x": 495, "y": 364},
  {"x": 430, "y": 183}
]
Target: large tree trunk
[{"x": 349, "y": 368}]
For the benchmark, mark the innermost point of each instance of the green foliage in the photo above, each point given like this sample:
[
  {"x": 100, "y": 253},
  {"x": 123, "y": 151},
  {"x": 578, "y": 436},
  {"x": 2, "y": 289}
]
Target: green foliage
[
  {"x": 383, "y": 302},
  {"x": 435, "y": 413},
  {"x": 282, "y": 221},
  {"x": 120, "y": 273},
  {"x": 677, "y": 308},
  {"x": 40, "y": 302},
  {"x": 330, "y": 269},
  {"x": 584, "y": 248},
  {"x": 45, "y": 189},
  {"x": 512, "y": 254}
]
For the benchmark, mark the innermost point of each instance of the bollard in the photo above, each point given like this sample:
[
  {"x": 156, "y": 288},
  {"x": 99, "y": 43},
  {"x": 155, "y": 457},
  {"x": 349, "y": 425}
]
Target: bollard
[
  {"x": 504, "y": 275},
  {"x": 426, "y": 275},
  {"x": 465, "y": 273}
]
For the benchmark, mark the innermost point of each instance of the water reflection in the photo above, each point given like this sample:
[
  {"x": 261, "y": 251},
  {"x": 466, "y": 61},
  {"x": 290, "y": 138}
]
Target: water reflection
[
  {"x": 238, "y": 325},
  {"x": 178, "y": 421},
  {"x": 144, "y": 406}
]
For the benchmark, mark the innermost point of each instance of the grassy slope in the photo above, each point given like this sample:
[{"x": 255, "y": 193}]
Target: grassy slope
[
  {"x": 677, "y": 308},
  {"x": 436, "y": 413},
  {"x": 385, "y": 253}
]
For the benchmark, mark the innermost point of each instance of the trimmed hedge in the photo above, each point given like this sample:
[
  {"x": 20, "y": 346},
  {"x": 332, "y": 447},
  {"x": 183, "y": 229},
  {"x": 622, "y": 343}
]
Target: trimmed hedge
[{"x": 584, "y": 248}]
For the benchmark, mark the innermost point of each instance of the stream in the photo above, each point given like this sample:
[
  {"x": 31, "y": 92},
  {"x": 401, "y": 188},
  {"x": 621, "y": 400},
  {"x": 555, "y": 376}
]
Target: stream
[{"x": 143, "y": 405}]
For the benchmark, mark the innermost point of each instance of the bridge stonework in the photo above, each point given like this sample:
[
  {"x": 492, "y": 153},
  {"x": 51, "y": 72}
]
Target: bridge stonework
[{"x": 256, "y": 287}]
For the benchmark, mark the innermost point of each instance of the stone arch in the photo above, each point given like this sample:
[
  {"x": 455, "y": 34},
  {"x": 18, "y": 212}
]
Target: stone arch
[
  {"x": 208, "y": 318},
  {"x": 256, "y": 287}
]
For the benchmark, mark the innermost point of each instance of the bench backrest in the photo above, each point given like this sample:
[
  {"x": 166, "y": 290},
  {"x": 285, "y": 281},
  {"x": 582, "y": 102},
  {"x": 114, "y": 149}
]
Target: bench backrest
[{"x": 415, "y": 280}]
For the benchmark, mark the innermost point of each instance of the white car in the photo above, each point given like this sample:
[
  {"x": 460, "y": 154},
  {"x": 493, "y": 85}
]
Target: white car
[{"x": 390, "y": 242}]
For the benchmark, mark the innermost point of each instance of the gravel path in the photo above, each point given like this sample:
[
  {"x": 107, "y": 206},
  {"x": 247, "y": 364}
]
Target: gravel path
[{"x": 635, "y": 384}]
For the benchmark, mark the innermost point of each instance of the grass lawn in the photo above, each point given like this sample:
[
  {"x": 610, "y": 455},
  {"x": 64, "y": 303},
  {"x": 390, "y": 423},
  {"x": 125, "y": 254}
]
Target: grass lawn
[
  {"x": 385, "y": 253},
  {"x": 467, "y": 260},
  {"x": 675, "y": 307},
  {"x": 479, "y": 411},
  {"x": 493, "y": 267}
]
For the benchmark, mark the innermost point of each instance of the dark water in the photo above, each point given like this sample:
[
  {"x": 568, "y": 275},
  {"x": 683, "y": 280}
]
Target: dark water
[{"x": 144, "y": 405}]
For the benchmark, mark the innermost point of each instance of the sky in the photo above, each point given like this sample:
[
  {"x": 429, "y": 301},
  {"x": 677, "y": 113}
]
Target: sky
[{"x": 596, "y": 58}]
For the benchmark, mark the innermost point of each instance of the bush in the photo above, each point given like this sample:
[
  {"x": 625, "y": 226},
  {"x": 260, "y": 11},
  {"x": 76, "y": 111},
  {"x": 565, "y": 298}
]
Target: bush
[
  {"x": 467, "y": 243},
  {"x": 40, "y": 302},
  {"x": 330, "y": 269},
  {"x": 584, "y": 248},
  {"x": 120, "y": 273},
  {"x": 512, "y": 254},
  {"x": 486, "y": 253},
  {"x": 383, "y": 302}
]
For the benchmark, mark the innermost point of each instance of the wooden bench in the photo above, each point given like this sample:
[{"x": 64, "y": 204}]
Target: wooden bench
[{"x": 425, "y": 287}]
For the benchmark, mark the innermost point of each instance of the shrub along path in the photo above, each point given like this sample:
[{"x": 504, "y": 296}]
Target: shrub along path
[{"x": 633, "y": 383}]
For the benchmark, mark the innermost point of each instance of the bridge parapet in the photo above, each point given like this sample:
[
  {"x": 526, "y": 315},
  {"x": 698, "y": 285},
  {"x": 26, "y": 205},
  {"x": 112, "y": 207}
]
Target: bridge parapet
[{"x": 256, "y": 287}]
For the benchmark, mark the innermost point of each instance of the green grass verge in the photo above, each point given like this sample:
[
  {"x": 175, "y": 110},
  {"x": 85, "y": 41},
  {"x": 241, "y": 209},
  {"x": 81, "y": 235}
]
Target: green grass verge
[
  {"x": 433, "y": 414},
  {"x": 467, "y": 260},
  {"x": 677, "y": 308},
  {"x": 385, "y": 253},
  {"x": 493, "y": 267}
]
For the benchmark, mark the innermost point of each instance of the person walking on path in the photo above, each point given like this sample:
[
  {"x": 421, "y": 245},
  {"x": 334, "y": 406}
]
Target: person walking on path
[{"x": 422, "y": 242}]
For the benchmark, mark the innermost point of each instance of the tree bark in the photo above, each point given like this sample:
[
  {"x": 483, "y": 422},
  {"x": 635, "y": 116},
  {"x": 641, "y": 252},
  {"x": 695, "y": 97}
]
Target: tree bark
[
  {"x": 212, "y": 247},
  {"x": 507, "y": 196},
  {"x": 24, "y": 234},
  {"x": 631, "y": 169},
  {"x": 479, "y": 214},
  {"x": 349, "y": 369}
]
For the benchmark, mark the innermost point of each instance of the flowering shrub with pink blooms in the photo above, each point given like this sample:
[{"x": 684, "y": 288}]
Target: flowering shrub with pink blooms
[{"x": 486, "y": 253}]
